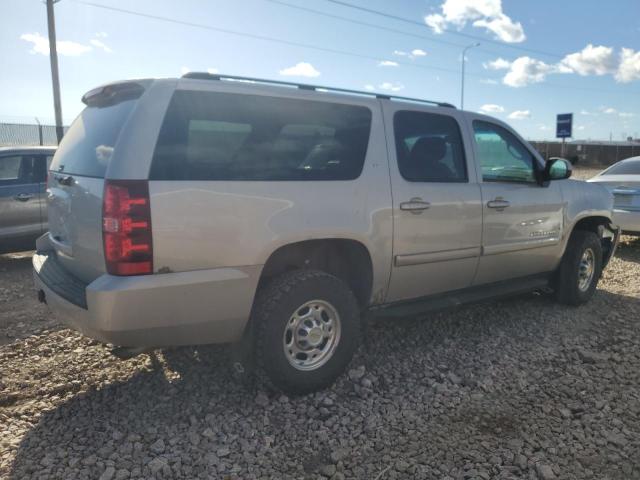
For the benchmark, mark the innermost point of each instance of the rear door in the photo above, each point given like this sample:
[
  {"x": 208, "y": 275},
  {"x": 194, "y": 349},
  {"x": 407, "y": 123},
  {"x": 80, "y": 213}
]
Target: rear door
[
  {"x": 19, "y": 207},
  {"x": 436, "y": 203},
  {"x": 523, "y": 221},
  {"x": 76, "y": 182}
]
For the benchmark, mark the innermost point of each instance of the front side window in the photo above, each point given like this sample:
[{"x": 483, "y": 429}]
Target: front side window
[
  {"x": 220, "y": 136},
  {"x": 429, "y": 147},
  {"x": 502, "y": 157}
]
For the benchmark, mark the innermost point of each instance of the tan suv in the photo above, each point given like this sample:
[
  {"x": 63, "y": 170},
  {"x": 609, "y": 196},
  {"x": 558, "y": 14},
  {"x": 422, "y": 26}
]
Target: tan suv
[{"x": 205, "y": 209}]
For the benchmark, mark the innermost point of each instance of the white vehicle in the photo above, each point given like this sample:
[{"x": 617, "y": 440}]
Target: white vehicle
[{"x": 623, "y": 180}]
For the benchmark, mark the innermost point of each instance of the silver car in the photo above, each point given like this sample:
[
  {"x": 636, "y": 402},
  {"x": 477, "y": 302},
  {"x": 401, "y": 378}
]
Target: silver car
[
  {"x": 623, "y": 180},
  {"x": 23, "y": 212},
  {"x": 203, "y": 210}
]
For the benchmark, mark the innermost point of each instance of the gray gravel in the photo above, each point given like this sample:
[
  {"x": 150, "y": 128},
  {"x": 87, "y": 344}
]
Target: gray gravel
[{"x": 522, "y": 388}]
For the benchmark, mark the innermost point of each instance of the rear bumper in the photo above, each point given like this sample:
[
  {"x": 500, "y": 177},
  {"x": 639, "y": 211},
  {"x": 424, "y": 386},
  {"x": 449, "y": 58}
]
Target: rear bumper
[
  {"x": 187, "y": 308},
  {"x": 627, "y": 220}
]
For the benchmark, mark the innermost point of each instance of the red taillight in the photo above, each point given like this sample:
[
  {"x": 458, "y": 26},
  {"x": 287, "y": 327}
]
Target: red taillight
[{"x": 126, "y": 227}]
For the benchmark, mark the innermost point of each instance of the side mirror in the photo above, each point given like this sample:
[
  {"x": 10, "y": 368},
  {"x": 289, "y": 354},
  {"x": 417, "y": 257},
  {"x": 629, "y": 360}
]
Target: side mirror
[{"x": 557, "y": 169}]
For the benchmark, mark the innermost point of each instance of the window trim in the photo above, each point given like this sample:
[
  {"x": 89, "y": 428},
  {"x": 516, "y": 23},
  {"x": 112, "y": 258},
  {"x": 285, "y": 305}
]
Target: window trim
[
  {"x": 465, "y": 179},
  {"x": 534, "y": 158}
]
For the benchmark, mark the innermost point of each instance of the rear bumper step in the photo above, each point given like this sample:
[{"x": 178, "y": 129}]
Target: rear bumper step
[{"x": 51, "y": 273}]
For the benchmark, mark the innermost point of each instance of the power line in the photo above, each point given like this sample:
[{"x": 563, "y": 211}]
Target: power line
[
  {"x": 303, "y": 45},
  {"x": 366, "y": 24},
  {"x": 453, "y": 32},
  {"x": 262, "y": 37}
]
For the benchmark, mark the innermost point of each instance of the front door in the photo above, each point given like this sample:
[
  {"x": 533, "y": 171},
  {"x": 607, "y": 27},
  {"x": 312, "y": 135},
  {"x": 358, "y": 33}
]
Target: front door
[
  {"x": 19, "y": 198},
  {"x": 523, "y": 221},
  {"x": 437, "y": 208}
]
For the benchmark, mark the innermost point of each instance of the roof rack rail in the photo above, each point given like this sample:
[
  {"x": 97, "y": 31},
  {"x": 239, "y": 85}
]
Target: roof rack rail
[{"x": 305, "y": 86}]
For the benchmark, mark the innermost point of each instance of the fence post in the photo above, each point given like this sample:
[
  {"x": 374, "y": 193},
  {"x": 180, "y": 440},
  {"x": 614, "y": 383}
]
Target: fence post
[{"x": 39, "y": 130}]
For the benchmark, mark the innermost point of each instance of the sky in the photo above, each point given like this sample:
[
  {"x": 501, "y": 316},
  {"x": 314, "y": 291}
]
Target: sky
[{"x": 535, "y": 59}]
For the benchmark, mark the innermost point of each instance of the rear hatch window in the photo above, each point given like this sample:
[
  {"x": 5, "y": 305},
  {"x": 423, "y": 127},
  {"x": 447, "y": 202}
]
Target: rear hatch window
[{"x": 88, "y": 144}]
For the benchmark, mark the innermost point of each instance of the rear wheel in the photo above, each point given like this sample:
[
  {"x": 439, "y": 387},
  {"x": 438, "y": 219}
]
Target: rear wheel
[
  {"x": 580, "y": 269},
  {"x": 307, "y": 329}
]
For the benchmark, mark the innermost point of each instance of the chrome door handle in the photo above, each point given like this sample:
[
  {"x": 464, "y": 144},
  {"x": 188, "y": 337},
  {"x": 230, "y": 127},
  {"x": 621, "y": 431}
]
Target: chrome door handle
[
  {"x": 23, "y": 197},
  {"x": 498, "y": 203},
  {"x": 415, "y": 205},
  {"x": 66, "y": 180}
]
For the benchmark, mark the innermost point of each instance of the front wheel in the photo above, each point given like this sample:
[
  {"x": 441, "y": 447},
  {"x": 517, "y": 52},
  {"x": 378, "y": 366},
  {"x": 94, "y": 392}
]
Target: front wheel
[
  {"x": 580, "y": 268},
  {"x": 307, "y": 329}
]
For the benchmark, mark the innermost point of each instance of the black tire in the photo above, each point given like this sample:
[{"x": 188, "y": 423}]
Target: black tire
[
  {"x": 567, "y": 281},
  {"x": 272, "y": 313}
]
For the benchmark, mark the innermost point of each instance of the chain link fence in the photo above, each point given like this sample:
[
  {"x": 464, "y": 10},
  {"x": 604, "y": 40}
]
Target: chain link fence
[{"x": 16, "y": 134}]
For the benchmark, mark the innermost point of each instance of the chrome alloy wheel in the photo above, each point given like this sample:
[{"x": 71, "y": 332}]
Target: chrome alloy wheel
[
  {"x": 311, "y": 335},
  {"x": 586, "y": 270}
]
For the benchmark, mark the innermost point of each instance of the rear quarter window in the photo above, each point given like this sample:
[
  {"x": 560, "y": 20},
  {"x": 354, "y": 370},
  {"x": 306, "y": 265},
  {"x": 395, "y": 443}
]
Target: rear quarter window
[
  {"x": 219, "y": 136},
  {"x": 87, "y": 147}
]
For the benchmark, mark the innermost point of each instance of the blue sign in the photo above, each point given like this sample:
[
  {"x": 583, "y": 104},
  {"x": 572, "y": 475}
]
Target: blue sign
[{"x": 564, "y": 123}]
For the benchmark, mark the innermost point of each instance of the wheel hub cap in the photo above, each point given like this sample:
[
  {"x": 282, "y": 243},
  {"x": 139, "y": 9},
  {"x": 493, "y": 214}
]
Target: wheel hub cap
[
  {"x": 586, "y": 270},
  {"x": 311, "y": 335}
]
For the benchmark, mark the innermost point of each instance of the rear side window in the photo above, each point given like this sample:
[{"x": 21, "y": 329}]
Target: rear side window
[
  {"x": 624, "y": 168},
  {"x": 429, "y": 147},
  {"x": 220, "y": 136},
  {"x": 87, "y": 147}
]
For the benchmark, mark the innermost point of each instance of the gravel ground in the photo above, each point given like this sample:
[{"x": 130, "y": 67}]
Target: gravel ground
[{"x": 522, "y": 388}]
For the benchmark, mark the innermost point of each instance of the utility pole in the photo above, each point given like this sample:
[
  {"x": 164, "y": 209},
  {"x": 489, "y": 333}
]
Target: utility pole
[
  {"x": 464, "y": 53},
  {"x": 53, "y": 58}
]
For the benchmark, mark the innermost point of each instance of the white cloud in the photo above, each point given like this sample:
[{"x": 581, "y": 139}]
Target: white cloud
[
  {"x": 301, "y": 69},
  {"x": 369, "y": 87},
  {"x": 387, "y": 63},
  {"x": 544, "y": 127},
  {"x": 489, "y": 81},
  {"x": 497, "y": 64},
  {"x": 629, "y": 67},
  {"x": 213, "y": 71},
  {"x": 586, "y": 112},
  {"x": 609, "y": 110},
  {"x": 413, "y": 54},
  {"x": 485, "y": 14},
  {"x": 40, "y": 45},
  {"x": 504, "y": 28},
  {"x": 590, "y": 61},
  {"x": 101, "y": 35},
  {"x": 391, "y": 86},
  {"x": 101, "y": 45},
  {"x": 627, "y": 114},
  {"x": 525, "y": 71},
  {"x": 491, "y": 108},
  {"x": 580, "y": 127},
  {"x": 598, "y": 60},
  {"x": 519, "y": 115}
]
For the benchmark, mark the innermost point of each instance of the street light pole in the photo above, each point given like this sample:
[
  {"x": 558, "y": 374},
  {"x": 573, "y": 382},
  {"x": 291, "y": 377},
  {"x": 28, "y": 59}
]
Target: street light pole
[
  {"x": 53, "y": 58},
  {"x": 464, "y": 55}
]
